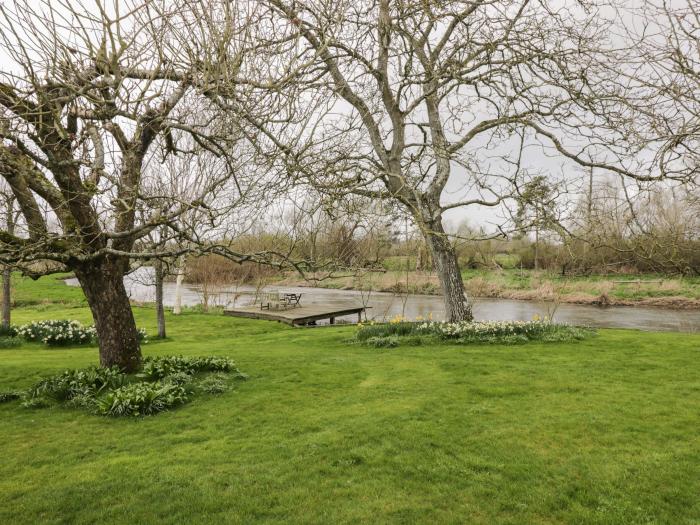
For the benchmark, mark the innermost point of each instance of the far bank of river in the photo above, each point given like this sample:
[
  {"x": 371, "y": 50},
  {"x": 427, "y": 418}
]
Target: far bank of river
[{"x": 623, "y": 290}]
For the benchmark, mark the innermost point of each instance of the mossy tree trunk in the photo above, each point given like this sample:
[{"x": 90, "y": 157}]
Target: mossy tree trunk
[{"x": 103, "y": 284}]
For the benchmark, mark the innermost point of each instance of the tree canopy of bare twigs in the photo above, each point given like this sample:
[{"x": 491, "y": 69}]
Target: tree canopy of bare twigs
[
  {"x": 93, "y": 96},
  {"x": 411, "y": 100}
]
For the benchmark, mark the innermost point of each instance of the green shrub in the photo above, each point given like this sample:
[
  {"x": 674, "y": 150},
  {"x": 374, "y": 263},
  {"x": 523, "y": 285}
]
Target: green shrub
[
  {"x": 141, "y": 399},
  {"x": 165, "y": 382},
  {"x": 179, "y": 378},
  {"x": 82, "y": 401}
]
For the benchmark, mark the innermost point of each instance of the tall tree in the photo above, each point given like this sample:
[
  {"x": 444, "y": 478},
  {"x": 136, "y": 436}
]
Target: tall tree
[
  {"x": 87, "y": 99},
  {"x": 418, "y": 100},
  {"x": 536, "y": 209}
]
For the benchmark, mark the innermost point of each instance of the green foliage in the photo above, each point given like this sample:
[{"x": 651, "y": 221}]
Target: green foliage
[
  {"x": 69, "y": 384},
  {"x": 214, "y": 384},
  {"x": 390, "y": 341},
  {"x": 142, "y": 399},
  {"x": 8, "y": 331},
  {"x": 6, "y": 397},
  {"x": 400, "y": 329},
  {"x": 164, "y": 382},
  {"x": 159, "y": 367},
  {"x": 491, "y": 332}
]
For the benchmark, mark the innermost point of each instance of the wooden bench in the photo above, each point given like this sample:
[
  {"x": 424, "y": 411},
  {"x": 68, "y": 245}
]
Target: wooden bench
[
  {"x": 292, "y": 299},
  {"x": 269, "y": 300}
]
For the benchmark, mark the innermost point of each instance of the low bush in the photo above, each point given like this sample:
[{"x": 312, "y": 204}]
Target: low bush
[
  {"x": 490, "y": 332},
  {"x": 142, "y": 399}
]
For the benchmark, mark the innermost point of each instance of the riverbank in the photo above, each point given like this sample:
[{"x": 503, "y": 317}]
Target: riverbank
[
  {"x": 598, "y": 431},
  {"x": 646, "y": 290},
  {"x": 384, "y": 306}
]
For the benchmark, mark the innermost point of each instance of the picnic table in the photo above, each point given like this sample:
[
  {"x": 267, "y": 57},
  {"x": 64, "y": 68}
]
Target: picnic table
[{"x": 277, "y": 300}]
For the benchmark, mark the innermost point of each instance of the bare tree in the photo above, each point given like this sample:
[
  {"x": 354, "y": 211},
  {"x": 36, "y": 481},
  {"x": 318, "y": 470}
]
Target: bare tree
[
  {"x": 90, "y": 97},
  {"x": 422, "y": 99},
  {"x": 664, "y": 65}
]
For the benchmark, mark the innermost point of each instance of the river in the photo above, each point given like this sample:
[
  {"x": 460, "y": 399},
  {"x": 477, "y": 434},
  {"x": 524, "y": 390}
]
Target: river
[{"x": 383, "y": 306}]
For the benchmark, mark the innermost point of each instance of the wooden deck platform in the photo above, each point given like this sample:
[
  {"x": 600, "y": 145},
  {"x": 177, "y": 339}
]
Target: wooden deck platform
[{"x": 299, "y": 316}]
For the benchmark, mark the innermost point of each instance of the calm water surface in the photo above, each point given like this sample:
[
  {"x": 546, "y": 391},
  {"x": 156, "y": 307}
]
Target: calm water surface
[{"x": 384, "y": 306}]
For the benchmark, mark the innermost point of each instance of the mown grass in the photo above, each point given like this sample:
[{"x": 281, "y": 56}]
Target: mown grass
[
  {"x": 600, "y": 431},
  {"x": 48, "y": 290}
]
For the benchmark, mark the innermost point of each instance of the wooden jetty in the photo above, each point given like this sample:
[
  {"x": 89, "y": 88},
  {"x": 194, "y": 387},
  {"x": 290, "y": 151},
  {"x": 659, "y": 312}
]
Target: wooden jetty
[{"x": 297, "y": 316}]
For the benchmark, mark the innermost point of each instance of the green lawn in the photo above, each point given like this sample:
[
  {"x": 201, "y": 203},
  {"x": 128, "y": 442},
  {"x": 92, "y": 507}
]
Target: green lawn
[{"x": 601, "y": 431}]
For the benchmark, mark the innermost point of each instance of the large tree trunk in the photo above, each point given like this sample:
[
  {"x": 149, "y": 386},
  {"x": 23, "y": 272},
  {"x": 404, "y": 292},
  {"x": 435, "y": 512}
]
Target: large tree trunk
[
  {"x": 6, "y": 300},
  {"x": 160, "y": 310},
  {"x": 103, "y": 285},
  {"x": 457, "y": 305}
]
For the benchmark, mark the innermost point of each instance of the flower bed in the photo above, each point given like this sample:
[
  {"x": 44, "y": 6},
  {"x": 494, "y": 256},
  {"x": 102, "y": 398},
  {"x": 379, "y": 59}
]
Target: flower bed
[
  {"x": 464, "y": 332},
  {"x": 64, "y": 332},
  {"x": 58, "y": 332},
  {"x": 164, "y": 382}
]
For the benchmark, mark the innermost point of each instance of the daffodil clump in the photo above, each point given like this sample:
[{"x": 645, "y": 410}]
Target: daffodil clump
[
  {"x": 465, "y": 332},
  {"x": 490, "y": 329},
  {"x": 59, "y": 332},
  {"x": 163, "y": 383},
  {"x": 63, "y": 332}
]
